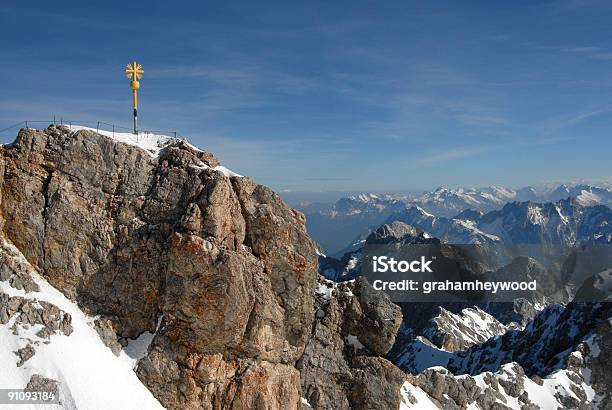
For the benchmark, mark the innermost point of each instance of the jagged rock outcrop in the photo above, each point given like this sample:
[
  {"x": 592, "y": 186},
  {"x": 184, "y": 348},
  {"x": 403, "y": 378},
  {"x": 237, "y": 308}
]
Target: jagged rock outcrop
[
  {"x": 558, "y": 360},
  {"x": 397, "y": 231},
  {"x": 219, "y": 267},
  {"x": 354, "y": 322},
  {"x": 39, "y": 383},
  {"x": 31, "y": 313},
  {"x": 510, "y": 388},
  {"x": 453, "y": 332},
  {"x": 349, "y": 266},
  {"x": 541, "y": 347},
  {"x": 226, "y": 262}
]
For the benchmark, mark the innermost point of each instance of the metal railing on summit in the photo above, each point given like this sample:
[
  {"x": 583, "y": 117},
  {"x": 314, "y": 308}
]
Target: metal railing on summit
[{"x": 8, "y": 133}]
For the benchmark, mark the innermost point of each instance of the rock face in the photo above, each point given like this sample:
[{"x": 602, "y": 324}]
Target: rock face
[
  {"x": 40, "y": 383},
  {"x": 338, "y": 371},
  {"x": 30, "y": 313},
  {"x": 221, "y": 263}
]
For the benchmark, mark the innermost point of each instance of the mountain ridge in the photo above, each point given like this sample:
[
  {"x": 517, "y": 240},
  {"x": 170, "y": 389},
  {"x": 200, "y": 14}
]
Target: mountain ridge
[{"x": 351, "y": 219}]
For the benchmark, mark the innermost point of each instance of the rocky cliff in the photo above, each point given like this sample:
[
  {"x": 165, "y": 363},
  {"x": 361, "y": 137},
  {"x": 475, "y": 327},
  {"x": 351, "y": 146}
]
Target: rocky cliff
[{"x": 218, "y": 268}]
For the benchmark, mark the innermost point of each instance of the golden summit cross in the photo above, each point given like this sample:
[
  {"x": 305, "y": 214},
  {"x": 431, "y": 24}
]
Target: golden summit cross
[{"x": 134, "y": 72}]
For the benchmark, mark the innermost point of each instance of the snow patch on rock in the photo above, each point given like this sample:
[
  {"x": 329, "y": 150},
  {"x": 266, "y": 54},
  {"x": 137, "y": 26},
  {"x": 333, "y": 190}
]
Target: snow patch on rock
[
  {"x": 88, "y": 373},
  {"x": 151, "y": 143}
]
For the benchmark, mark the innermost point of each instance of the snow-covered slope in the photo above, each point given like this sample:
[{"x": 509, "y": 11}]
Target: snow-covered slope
[
  {"x": 152, "y": 143},
  {"x": 56, "y": 342}
]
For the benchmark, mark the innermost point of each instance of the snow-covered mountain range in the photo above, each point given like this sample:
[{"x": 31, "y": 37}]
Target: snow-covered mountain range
[
  {"x": 337, "y": 226},
  {"x": 342, "y": 225},
  {"x": 520, "y": 355},
  {"x": 449, "y": 202},
  {"x": 565, "y": 222}
]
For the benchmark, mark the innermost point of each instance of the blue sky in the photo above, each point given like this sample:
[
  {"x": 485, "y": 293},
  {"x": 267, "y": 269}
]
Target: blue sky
[{"x": 333, "y": 96}]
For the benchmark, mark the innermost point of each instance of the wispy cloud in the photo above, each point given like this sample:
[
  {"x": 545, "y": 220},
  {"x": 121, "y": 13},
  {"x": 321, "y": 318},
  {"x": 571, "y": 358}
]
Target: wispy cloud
[
  {"x": 241, "y": 74},
  {"x": 534, "y": 142},
  {"x": 559, "y": 123},
  {"x": 587, "y": 115},
  {"x": 595, "y": 53},
  {"x": 567, "y": 6},
  {"x": 452, "y": 154},
  {"x": 581, "y": 49},
  {"x": 326, "y": 179}
]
